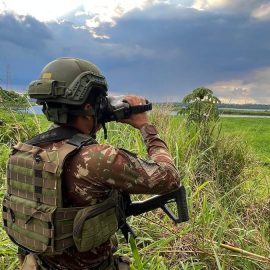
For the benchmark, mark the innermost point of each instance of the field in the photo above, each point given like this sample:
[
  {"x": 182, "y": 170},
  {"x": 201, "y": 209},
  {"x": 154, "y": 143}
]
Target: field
[
  {"x": 227, "y": 177},
  {"x": 244, "y": 112},
  {"x": 255, "y": 131}
]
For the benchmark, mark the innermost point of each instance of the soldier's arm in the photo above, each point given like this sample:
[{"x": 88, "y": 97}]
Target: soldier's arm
[
  {"x": 120, "y": 169},
  {"x": 107, "y": 167}
]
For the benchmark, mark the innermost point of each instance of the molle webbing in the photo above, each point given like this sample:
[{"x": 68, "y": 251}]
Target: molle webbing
[
  {"x": 33, "y": 212},
  {"x": 29, "y": 169}
]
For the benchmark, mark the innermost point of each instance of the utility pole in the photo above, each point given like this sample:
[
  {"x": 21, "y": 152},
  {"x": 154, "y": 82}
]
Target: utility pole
[{"x": 8, "y": 73}]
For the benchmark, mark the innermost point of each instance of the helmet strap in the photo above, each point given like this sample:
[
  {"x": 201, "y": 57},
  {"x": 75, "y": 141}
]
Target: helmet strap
[
  {"x": 93, "y": 131},
  {"x": 104, "y": 130},
  {"x": 89, "y": 112}
]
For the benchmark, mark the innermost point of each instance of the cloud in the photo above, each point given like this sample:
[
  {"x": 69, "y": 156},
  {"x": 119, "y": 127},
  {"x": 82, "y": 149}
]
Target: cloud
[
  {"x": 257, "y": 9},
  {"x": 97, "y": 14},
  {"x": 251, "y": 88},
  {"x": 41, "y": 10},
  {"x": 188, "y": 48},
  {"x": 210, "y": 4},
  {"x": 160, "y": 51},
  {"x": 236, "y": 5},
  {"x": 22, "y": 45},
  {"x": 262, "y": 12},
  {"x": 17, "y": 29},
  {"x": 50, "y": 10}
]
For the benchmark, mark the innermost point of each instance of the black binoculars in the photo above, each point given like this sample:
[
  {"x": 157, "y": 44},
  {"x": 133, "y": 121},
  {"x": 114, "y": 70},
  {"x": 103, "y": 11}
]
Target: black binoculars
[{"x": 115, "y": 108}]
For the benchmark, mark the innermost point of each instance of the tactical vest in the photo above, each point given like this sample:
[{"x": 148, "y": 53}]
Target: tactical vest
[{"x": 34, "y": 216}]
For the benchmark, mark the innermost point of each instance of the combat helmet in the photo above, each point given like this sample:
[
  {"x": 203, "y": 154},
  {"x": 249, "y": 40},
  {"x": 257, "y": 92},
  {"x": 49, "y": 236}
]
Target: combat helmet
[{"x": 64, "y": 85}]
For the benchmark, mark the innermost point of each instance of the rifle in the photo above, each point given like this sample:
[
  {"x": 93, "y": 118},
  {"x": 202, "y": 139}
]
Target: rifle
[{"x": 136, "y": 208}]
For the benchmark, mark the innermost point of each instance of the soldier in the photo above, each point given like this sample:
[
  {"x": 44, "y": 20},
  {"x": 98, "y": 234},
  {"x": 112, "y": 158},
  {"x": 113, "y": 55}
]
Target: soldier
[{"x": 71, "y": 91}]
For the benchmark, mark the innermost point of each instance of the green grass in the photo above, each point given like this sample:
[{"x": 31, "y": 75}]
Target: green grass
[
  {"x": 256, "y": 132},
  {"x": 245, "y": 112},
  {"x": 228, "y": 195}
]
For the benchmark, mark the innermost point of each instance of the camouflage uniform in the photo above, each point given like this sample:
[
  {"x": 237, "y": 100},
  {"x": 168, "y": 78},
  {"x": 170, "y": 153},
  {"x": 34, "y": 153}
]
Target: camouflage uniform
[{"x": 95, "y": 170}]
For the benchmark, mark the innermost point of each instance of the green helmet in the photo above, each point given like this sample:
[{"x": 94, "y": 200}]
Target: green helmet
[{"x": 64, "y": 82}]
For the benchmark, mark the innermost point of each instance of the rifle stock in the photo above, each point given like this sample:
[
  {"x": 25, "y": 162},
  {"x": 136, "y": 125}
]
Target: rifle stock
[{"x": 177, "y": 196}]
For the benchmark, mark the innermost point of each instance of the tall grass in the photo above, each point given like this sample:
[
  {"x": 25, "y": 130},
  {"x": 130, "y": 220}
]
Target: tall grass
[
  {"x": 16, "y": 126},
  {"x": 228, "y": 198}
]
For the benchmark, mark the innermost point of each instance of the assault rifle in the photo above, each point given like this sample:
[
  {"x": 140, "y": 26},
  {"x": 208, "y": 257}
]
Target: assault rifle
[{"x": 136, "y": 208}]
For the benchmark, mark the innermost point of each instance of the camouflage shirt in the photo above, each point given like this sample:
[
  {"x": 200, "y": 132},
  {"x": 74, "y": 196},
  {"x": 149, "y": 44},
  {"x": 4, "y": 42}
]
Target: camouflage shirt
[{"x": 96, "y": 169}]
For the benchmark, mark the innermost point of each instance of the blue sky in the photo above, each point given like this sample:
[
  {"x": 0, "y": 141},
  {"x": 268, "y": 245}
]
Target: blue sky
[{"x": 156, "y": 48}]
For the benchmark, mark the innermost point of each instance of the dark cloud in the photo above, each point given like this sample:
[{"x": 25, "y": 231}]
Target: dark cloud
[
  {"x": 162, "y": 51},
  {"x": 18, "y": 29},
  {"x": 187, "y": 48},
  {"x": 26, "y": 45},
  {"x": 22, "y": 42}
]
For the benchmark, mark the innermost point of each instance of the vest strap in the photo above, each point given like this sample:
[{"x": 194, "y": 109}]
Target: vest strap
[{"x": 55, "y": 135}]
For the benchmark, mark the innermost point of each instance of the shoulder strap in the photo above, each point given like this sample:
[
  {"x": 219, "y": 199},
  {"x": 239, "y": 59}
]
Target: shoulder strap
[
  {"x": 62, "y": 133},
  {"x": 80, "y": 140},
  {"x": 73, "y": 145}
]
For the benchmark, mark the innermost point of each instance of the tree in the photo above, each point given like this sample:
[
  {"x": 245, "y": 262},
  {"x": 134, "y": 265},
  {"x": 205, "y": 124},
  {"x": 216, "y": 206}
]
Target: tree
[
  {"x": 13, "y": 100},
  {"x": 200, "y": 106}
]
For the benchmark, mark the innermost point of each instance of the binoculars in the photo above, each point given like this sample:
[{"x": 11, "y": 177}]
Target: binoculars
[{"x": 115, "y": 108}]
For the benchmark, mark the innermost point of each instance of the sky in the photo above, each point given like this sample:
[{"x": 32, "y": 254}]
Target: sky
[{"x": 161, "y": 49}]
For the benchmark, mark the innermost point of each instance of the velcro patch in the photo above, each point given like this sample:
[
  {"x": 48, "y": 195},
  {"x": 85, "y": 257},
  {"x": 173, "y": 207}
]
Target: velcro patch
[{"x": 46, "y": 76}]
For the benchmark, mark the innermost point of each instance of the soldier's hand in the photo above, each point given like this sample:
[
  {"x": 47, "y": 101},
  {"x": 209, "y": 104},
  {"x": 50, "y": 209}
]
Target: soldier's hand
[{"x": 136, "y": 120}]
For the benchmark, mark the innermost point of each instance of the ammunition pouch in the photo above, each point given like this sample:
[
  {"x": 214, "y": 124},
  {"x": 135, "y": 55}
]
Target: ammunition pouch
[{"x": 95, "y": 224}]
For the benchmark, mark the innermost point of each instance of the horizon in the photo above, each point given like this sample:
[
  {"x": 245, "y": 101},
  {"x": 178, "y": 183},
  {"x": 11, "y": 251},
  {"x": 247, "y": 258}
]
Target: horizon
[{"x": 176, "y": 102}]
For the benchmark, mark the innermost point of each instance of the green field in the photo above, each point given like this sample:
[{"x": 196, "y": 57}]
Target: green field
[
  {"x": 256, "y": 132},
  {"x": 245, "y": 112},
  {"x": 228, "y": 185}
]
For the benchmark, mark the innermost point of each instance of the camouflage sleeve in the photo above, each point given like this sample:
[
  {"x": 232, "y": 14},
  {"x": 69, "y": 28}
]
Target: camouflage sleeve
[{"x": 120, "y": 169}]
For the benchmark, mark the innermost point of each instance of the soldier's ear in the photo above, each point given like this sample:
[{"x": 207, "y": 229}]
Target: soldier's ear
[{"x": 87, "y": 107}]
